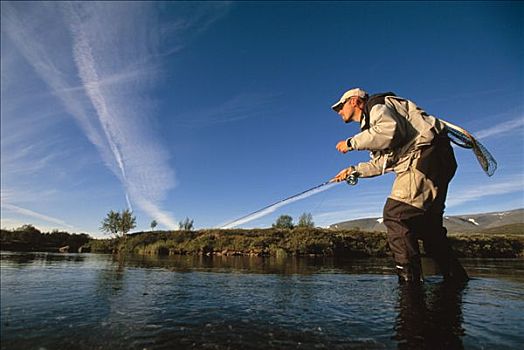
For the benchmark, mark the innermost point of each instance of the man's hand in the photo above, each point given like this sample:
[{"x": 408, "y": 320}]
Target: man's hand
[
  {"x": 342, "y": 146},
  {"x": 343, "y": 174}
]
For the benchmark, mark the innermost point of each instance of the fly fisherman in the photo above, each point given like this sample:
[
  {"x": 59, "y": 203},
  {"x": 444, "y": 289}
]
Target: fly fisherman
[{"x": 403, "y": 138}]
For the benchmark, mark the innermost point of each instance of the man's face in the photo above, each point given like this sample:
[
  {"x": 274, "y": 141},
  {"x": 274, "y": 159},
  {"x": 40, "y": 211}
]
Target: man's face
[{"x": 347, "y": 112}]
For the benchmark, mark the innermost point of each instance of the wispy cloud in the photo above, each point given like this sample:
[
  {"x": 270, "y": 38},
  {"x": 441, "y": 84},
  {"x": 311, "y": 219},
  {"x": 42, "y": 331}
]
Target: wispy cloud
[
  {"x": 239, "y": 107},
  {"x": 10, "y": 195},
  {"x": 329, "y": 218},
  {"x": 469, "y": 194},
  {"x": 513, "y": 125},
  {"x": 35, "y": 215},
  {"x": 104, "y": 62},
  {"x": 369, "y": 205},
  {"x": 190, "y": 19},
  {"x": 471, "y": 94}
]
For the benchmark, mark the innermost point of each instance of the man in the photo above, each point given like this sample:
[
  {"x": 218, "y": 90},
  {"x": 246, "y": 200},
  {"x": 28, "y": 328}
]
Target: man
[{"x": 406, "y": 140}]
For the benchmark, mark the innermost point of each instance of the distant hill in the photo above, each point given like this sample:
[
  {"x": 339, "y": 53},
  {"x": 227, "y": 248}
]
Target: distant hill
[
  {"x": 511, "y": 229},
  {"x": 508, "y": 221}
]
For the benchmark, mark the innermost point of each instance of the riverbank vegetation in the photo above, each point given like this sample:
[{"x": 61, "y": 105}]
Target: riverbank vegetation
[
  {"x": 295, "y": 242},
  {"x": 28, "y": 238},
  {"x": 299, "y": 241}
]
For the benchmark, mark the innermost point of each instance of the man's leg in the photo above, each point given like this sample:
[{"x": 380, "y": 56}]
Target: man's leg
[
  {"x": 441, "y": 169},
  {"x": 436, "y": 245},
  {"x": 401, "y": 221}
]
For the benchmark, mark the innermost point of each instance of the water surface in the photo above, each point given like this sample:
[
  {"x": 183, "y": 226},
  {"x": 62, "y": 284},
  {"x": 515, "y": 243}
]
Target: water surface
[{"x": 91, "y": 301}]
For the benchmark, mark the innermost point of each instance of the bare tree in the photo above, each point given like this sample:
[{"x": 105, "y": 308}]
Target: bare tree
[
  {"x": 153, "y": 224},
  {"x": 306, "y": 220},
  {"x": 186, "y": 224}
]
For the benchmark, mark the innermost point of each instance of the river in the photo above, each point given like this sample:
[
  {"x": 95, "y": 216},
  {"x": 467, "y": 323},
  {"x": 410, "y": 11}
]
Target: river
[{"x": 95, "y": 301}]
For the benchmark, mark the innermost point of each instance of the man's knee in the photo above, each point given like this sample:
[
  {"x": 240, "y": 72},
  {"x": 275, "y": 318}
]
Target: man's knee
[
  {"x": 399, "y": 213},
  {"x": 391, "y": 210},
  {"x": 399, "y": 219}
]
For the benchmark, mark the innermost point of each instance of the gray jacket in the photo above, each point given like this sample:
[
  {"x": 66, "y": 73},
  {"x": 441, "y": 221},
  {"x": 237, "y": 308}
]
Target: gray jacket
[{"x": 397, "y": 132}]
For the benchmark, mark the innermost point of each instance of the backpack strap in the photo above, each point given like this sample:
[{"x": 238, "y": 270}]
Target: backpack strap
[{"x": 376, "y": 99}]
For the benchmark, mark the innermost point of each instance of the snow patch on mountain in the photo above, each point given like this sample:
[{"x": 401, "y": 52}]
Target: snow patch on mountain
[{"x": 473, "y": 222}]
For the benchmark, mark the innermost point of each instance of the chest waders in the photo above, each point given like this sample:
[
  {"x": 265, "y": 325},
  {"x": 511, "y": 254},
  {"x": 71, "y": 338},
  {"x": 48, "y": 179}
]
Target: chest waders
[{"x": 406, "y": 224}]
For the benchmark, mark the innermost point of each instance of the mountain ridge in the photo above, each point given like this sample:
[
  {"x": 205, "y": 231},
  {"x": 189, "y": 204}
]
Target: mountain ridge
[{"x": 454, "y": 223}]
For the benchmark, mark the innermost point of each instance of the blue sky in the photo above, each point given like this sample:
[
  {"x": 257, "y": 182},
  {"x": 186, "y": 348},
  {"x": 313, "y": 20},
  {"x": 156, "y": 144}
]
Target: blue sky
[{"x": 212, "y": 110}]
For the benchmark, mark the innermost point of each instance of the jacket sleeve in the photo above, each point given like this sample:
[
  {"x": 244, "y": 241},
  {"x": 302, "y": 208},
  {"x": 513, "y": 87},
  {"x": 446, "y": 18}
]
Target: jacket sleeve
[
  {"x": 382, "y": 132},
  {"x": 375, "y": 167}
]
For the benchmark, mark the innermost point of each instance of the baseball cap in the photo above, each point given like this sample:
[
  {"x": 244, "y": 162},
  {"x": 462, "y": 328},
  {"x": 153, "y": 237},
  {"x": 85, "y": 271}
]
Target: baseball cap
[{"x": 347, "y": 95}]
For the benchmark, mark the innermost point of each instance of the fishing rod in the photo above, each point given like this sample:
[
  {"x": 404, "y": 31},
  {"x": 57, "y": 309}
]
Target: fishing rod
[{"x": 350, "y": 180}]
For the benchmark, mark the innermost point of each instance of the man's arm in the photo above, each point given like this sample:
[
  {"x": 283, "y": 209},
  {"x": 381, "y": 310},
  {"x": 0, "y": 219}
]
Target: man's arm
[
  {"x": 383, "y": 131},
  {"x": 376, "y": 166}
]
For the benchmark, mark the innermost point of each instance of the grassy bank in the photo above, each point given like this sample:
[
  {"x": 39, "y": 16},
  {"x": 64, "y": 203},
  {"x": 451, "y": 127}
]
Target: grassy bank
[
  {"x": 29, "y": 239},
  {"x": 296, "y": 242}
]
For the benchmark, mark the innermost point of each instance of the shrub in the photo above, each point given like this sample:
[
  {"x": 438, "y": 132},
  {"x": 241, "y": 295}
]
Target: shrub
[{"x": 284, "y": 221}]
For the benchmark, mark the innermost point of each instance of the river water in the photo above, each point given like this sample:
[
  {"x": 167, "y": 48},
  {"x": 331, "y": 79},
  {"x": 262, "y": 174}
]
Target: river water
[{"x": 94, "y": 301}]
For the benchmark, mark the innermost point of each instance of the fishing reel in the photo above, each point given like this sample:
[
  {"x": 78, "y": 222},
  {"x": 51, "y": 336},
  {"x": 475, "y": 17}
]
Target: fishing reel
[{"x": 352, "y": 179}]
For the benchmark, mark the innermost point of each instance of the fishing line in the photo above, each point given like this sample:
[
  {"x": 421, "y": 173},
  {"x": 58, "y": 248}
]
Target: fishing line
[
  {"x": 321, "y": 202},
  {"x": 272, "y": 207},
  {"x": 351, "y": 180}
]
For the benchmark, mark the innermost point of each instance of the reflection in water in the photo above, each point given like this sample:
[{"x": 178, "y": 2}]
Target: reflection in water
[
  {"x": 112, "y": 277},
  {"x": 86, "y": 301},
  {"x": 27, "y": 259},
  {"x": 263, "y": 265},
  {"x": 429, "y": 316}
]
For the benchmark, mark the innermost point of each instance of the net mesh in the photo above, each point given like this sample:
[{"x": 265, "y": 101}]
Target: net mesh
[{"x": 485, "y": 159}]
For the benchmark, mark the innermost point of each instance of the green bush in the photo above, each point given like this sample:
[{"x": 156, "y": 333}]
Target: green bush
[{"x": 486, "y": 246}]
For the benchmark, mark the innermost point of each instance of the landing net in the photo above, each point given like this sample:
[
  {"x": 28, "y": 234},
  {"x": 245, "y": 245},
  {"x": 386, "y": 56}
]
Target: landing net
[{"x": 464, "y": 139}]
